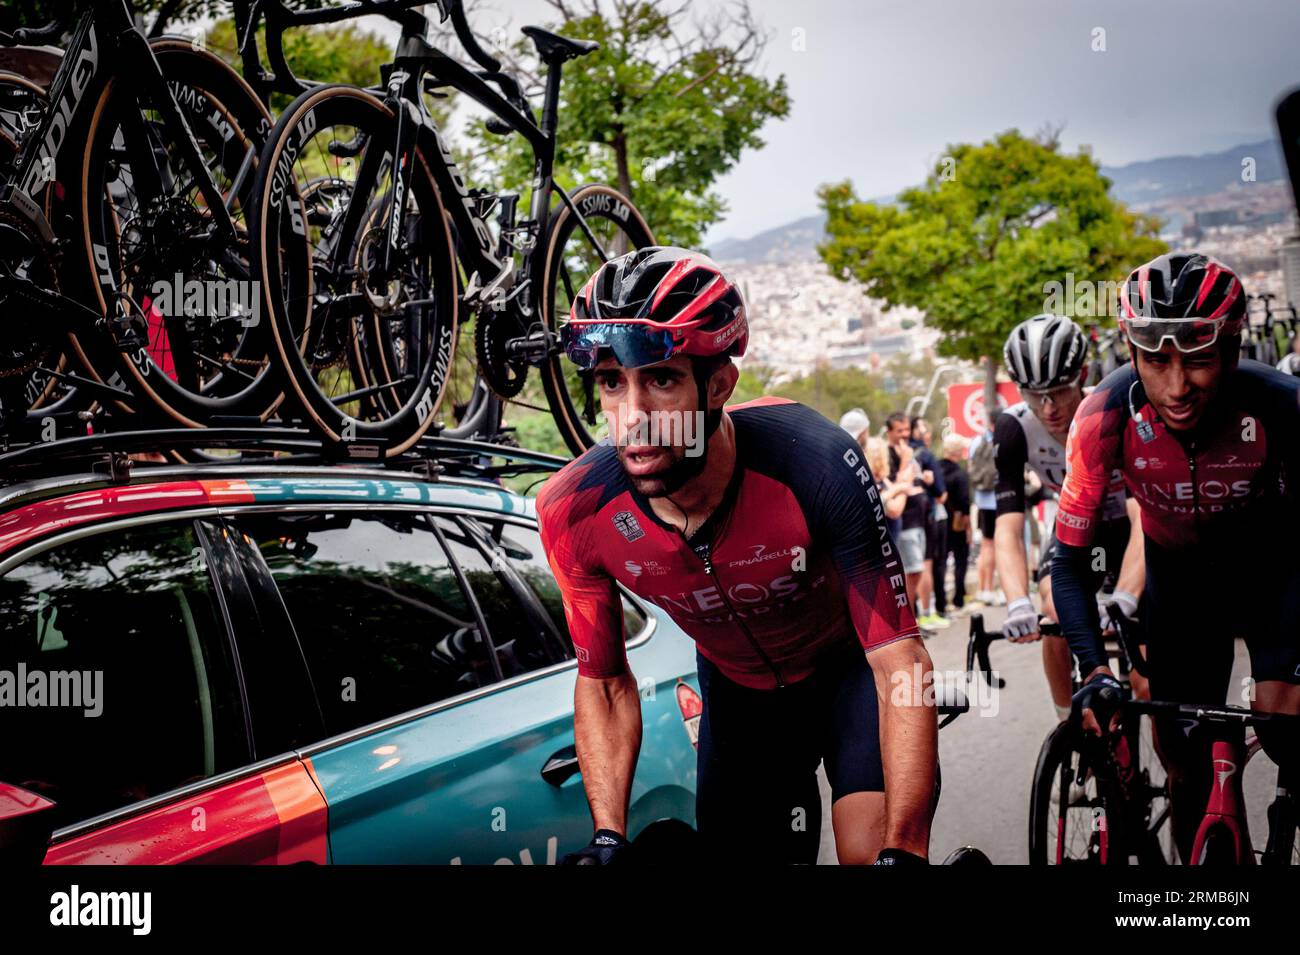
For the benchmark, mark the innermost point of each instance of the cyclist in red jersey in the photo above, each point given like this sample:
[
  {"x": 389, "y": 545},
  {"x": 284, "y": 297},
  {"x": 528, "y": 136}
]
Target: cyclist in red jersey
[
  {"x": 1209, "y": 446},
  {"x": 769, "y": 547}
]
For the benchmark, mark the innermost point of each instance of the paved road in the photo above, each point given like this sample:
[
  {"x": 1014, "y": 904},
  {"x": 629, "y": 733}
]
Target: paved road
[{"x": 988, "y": 760}]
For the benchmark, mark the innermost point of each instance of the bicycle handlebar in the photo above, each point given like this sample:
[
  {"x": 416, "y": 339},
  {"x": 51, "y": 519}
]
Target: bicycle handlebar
[
  {"x": 456, "y": 10},
  {"x": 977, "y": 646},
  {"x": 1221, "y": 713},
  {"x": 32, "y": 36}
]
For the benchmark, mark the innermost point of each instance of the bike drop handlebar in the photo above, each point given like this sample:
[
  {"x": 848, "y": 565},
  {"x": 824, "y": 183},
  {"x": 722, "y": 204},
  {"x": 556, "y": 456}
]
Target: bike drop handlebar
[{"x": 977, "y": 646}]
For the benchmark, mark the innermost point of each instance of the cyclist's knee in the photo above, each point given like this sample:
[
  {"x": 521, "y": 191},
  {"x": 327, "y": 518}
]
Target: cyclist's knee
[{"x": 1281, "y": 743}]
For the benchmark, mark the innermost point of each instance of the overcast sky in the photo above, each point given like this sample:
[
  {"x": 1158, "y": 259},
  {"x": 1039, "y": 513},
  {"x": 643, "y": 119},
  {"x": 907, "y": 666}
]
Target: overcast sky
[{"x": 881, "y": 86}]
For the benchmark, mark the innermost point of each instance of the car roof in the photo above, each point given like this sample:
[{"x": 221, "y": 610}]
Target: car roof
[{"x": 54, "y": 497}]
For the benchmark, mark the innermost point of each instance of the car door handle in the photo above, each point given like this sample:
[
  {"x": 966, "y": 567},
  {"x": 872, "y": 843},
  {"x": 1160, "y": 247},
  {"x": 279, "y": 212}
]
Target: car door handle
[{"x": 562, "y": 764}]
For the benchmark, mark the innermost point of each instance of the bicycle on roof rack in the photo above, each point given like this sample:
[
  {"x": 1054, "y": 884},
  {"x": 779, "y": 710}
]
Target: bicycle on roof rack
[
  {"x": 362, "y": 224},
  {"x": 120, "y": 456},
  {"x": 129, "y": 189},
  {"x": 1263, "y": 325}
]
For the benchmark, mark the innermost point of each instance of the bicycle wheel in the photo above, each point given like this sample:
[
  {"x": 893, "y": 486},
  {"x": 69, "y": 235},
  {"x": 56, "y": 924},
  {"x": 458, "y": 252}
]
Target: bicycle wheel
[
  {"x": 1156, "y": 837},
  {"x": 32, "y": 368},
  {"x": 150, "y": 245},
  {"x": 362, "y": 315},
  {"x": 1067, "y": 822},
  {"x": 1278, "y": 806},
  {"x": 570, "y": 260}
]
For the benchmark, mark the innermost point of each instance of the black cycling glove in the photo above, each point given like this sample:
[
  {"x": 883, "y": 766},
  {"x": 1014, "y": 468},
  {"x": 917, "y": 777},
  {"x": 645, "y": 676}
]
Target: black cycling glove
[
  {"x": 607, "y": 847},
  {"x": 900, "y": 857},
  {"x": 1103, "y": 694}
]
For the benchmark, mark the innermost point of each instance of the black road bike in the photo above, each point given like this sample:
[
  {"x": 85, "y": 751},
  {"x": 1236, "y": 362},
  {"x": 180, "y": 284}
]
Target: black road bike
[
  {"x": 369, "y": 247},
  {"x": 123, "y": 232}
]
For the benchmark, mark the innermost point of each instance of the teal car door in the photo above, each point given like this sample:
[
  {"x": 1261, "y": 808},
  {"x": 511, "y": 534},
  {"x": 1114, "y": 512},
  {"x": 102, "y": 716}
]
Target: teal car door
[{"x": 450, "y": 692}]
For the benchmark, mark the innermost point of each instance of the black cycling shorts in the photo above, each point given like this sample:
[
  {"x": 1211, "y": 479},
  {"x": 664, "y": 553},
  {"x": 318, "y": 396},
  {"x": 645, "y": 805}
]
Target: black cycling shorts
[
  {"x": 756, "y": 793},
  {"x": 1194, "y": 608},
  {"x": 988, "y": 518}
]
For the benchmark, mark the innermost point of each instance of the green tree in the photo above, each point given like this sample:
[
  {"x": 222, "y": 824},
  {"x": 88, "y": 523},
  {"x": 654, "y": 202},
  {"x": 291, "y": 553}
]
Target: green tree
[
  {"x": 668, "y": 104},
  {"x": 977, "y": 245}
]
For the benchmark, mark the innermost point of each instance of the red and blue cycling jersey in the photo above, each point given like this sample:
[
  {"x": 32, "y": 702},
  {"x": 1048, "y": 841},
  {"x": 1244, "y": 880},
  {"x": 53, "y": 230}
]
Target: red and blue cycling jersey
[
  {"x": 1216, "y": 501},
  {"x": 795, "y": 561},
  {"x": 1215, "y": 485}
]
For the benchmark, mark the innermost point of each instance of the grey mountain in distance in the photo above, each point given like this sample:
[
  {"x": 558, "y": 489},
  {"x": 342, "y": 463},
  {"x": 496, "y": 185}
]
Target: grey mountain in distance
[{"x": 1135, "y": 184}]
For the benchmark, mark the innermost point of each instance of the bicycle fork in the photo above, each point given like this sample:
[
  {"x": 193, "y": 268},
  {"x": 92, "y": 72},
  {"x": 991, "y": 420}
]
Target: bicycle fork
[{"x": 1225, "y": 807}]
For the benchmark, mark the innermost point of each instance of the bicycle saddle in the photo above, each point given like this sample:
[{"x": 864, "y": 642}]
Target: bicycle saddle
[{"x": 553, "y": 47}]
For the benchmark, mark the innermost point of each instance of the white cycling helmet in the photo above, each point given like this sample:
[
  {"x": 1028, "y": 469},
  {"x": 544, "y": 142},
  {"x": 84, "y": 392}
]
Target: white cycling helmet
[{"x": 1044, "y": 352}]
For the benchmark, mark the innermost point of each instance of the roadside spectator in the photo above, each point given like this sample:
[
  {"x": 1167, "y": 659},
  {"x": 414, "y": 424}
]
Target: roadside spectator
[
  {"x": 893, "y": 494},
  {"x": 911, "y": 537},
  {"x": 959, "y": 524},
  {"x": 983, "y": 475},
  {"x": 857, "y": 424},
  {"x": 1290, "y": 362},
  {"x": 936, "y": 524}
]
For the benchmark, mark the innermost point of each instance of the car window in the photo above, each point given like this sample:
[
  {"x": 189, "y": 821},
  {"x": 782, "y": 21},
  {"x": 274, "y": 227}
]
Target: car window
[
  {"x": 520, "y": 632},
  {"x": 377, "y": 608},
  {"x": 116, "y": 679},
  {"x": 522, "y": 547}
]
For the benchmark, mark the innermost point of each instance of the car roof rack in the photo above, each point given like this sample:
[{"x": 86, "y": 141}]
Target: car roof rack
[{"x": 111, "y": 453}]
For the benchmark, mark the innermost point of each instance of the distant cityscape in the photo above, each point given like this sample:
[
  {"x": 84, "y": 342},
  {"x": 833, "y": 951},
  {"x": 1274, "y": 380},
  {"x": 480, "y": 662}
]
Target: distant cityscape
[{"x": 802, "y": 316}]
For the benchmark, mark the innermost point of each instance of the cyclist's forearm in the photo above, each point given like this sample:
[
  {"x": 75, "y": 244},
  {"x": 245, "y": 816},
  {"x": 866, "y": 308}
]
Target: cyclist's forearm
[
  {"x": 607, "y": 736},
  {"x": 909, "y": 744},
  {"x": 1076, "y": 606},
  {"x": 1012, "y": 564},
  {"x": 1133, "y": 572}
]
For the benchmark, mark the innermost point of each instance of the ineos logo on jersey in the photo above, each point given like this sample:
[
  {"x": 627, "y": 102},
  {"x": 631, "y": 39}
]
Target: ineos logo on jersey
[
  {"x": 759, "y": 598},
  {"x": 1208, "y": 496}
]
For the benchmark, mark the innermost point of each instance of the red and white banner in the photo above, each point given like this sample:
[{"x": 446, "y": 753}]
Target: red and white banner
[{"x": 966, "y": 405}]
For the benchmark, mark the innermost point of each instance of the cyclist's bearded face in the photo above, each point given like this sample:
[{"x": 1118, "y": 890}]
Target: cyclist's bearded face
[
  {"x": 1180, "y": 385},
  {"x": 655, "y": 421}
]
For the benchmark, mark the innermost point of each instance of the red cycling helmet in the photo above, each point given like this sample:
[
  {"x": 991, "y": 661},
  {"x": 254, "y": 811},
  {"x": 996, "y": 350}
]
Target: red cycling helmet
[
  {"x": 653, "y": 303},
  {"x": 1186, "y": 297}
]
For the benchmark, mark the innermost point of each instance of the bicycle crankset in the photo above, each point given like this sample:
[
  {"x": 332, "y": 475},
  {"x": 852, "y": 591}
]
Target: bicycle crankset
[{"x": 494, "y": 333}]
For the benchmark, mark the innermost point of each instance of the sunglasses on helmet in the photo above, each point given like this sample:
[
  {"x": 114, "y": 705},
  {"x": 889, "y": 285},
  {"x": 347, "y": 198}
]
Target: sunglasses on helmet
[
  {"x": 1187, "y": 334},
  {"x": 633, "y": 344}
]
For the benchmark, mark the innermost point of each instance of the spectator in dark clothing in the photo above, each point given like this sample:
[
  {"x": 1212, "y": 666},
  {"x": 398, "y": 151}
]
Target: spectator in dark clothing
[
  {"x": 912, "y": 538},
  {"x": 958, "y": 536},
  {"x": 935, "y": 524}
]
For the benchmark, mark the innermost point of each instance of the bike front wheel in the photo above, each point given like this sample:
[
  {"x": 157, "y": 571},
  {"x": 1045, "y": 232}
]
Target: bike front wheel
[
  {"x": 571, "y": 258},
  {"x": 361, "y": 290}
]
